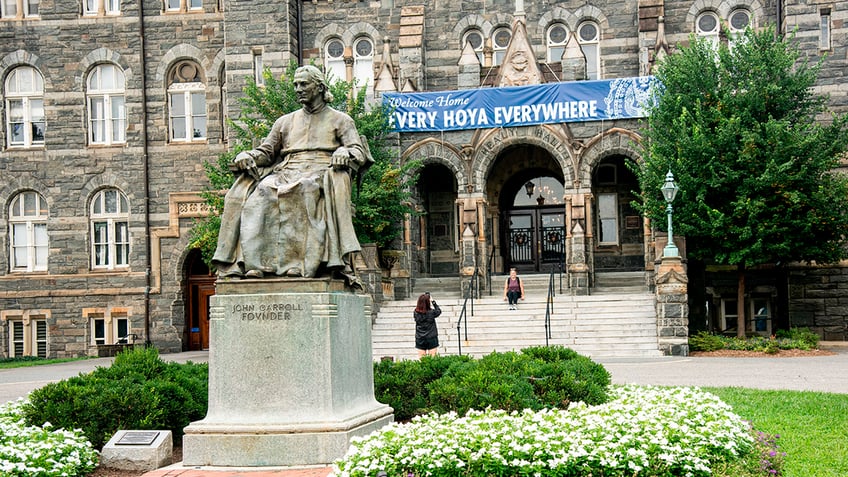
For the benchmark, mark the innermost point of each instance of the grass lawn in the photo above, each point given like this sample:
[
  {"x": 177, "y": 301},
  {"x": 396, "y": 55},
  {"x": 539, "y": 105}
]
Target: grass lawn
[
  {"x": 813, "y": 426},
  {"x": 23, "y": 363}
]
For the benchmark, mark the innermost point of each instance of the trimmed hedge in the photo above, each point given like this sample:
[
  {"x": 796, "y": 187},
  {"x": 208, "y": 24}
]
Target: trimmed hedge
[
  {"x": 535, "y": 378},
  {"x": 139, "y": 391}
]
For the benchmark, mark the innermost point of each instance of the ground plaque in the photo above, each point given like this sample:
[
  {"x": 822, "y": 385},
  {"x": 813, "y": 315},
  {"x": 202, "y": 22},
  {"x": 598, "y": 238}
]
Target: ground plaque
[
  {"x": 137, "y": 438},
  {"x": 290, "y": 375}
]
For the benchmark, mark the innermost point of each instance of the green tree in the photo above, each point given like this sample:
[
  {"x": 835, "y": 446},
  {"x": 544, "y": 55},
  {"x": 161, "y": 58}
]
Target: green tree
[
  {"x": 381, "y": 198},
  {"x": 754, "y": 151}
]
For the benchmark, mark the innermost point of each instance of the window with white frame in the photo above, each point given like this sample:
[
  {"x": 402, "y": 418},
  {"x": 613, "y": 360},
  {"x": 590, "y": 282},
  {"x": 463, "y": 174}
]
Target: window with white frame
[
  {"x": 363, "y": 63},
  {"x": 24, "y": 107},
  {"x": 500, "y": 42},
  {"x": 334, "y": 63},
  {"x": 761, "y": 313},
  {"x": 27, "y": 337},
  {"x": 258, "y": 68},
  {"x": 183, "y": 5},
  {"x": 557, "y": 38},
  {"x": 824, "y": 29},
  {"x": 19, "y": 8},
  {"x": 589, "y": 35},
  {"x": 107, "y": 327},
  {"x": 737, "y": 22},
  {"x": 728, "y": 319},
  {"x": 107, "y": 115},
  {"x": 186, "y": 103},
  {"x": 707, "y": 27},
  {"x": 475, "y": 38},
  {"x": 101, "y": 7},
  {"x": 608, "y": 218},
  {"x": 110, "y": 240},
  {"x": 28, "y": 232}
]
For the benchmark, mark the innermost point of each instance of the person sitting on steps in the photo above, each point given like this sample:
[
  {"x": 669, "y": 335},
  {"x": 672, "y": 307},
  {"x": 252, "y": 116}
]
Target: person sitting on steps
[{"x": 513, "y": 289}]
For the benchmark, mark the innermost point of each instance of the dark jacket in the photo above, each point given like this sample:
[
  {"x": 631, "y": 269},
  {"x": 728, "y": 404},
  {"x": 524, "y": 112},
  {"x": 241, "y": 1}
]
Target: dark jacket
[{"x": 425, "y": 323}]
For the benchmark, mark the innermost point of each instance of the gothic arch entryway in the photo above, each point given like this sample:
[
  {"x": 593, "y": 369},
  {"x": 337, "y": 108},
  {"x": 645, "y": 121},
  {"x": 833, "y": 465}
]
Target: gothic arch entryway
[
  {"x": 438, "y": 229},
  {"x": 200, "y": 285},
  {"x": 532, "y": 214}
]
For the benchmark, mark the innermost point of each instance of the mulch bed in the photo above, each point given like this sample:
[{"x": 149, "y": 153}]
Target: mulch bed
[{"x": 784, "y": 353}]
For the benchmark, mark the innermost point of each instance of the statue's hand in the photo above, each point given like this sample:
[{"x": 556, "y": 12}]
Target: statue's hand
[
  {"x": 341, "y": 159},
  {"x": 245, "y": 161}
]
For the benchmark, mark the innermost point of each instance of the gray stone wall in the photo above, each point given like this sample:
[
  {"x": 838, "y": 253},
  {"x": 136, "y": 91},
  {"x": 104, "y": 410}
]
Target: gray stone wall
[{"x": 818, "y": 299}]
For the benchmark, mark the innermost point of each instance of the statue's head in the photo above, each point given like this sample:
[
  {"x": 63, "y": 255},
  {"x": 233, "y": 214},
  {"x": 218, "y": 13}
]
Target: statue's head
[{"x": 314, "y": 75}]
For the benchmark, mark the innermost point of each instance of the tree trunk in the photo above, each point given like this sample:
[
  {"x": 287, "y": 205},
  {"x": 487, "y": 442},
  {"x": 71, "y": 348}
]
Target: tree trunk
[{"x": 740, "y": 302}]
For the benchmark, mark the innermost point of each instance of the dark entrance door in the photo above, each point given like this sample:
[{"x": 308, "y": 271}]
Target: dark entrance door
[
  {"x": 200, "y": 289},
  {"x": 534, "y": 239}
]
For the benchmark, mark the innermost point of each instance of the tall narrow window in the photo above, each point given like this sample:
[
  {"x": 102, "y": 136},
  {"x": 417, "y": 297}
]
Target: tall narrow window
[
  {"x": 738, "y": 21},
  {"x": 557, "y": 39},
  {"x": 258, "y": 68},
  {"x": 475, "y": 38},
  {"x": 500, "y": 42},
  {"x": 334, "y": 65},
  {"x": 39, "y": 338},
  {"x": 28, "y": 232},
  {"x": 589, "y": 35},
  {"x": 707, "y": 26},
  {"x": 363, "y": 63},
  {"x": 608, "y": 218},
  {"x": 824, "y": 33},
  {"x": 107, "y": 114},
  {"x": 25, "y": 107},
  {"x": 98, "y": 329},
  {"x": 16, "y": 338},
  {"x": 110, "y": 240},
  {"x": 187, "y": 103}
]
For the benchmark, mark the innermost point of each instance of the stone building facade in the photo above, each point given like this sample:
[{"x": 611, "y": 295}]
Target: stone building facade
[{"x": 111, "y": 107}]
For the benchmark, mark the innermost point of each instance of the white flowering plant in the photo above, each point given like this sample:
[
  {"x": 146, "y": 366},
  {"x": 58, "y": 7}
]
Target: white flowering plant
[
  {"x": 32, "y": 451},
  {"x": 641, "y": 431}
]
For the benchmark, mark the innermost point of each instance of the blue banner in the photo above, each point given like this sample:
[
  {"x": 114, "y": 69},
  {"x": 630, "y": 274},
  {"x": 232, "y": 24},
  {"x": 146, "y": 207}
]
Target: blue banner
[{"x": 511, "y": 106}]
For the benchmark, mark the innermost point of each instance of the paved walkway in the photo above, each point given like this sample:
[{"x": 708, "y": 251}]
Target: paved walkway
[{"x": 818, "y": 373}]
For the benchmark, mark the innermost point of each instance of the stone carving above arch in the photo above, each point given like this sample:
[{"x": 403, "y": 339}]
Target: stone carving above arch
[
  {"x": 107, "y": 180},
  {"x": 100, "y": 56},
  {"x": 331, "y": 30},
  {"x": 434, "y": 151},
  {"x": 593, "y": 13},
  {"x": 489, "y": 145},
  {"x": 614, "y": 141},
  {"x": 473, "y": 21},
  {"x": 181, "y": 52},
  {"x": 18, "y": 184},
  {"x": 361, "y": 29},
  {"x": 23, "y": 58}
]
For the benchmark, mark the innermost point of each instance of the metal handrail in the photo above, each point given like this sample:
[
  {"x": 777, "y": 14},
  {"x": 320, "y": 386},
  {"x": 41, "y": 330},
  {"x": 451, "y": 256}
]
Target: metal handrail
[
  {"x": 489, "y": 270},
  {"x": 549, "y": 305},
  {"x": 463, "y": 314}
]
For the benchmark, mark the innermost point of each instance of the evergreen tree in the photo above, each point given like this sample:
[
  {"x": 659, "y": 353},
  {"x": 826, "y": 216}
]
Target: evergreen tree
[
  {"x": 754, "y": 151},
  {"x": 380, "y": 198}
]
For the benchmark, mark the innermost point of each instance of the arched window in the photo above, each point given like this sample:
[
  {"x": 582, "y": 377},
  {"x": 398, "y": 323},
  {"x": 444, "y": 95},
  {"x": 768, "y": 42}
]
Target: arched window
[
  {"x": 107, "y": 114},
  {"x": 363, "y": 63},
  {"x": 557, "y": 37},
  {"x": 334, "y": 65},
  {"x": 500, "y": 42},
  {"x": 28, "y": 232},
  {"x": 101, "y": 7},
  {"x": 737, "y": 22},
  {"x": 475, "y": 38},
  {"x": 24, "y": 107},
  {"x": 186, "y": 103},
  {"x": 589, "y": 35},
  {"x": 110, "y": 238},
  {"x": 707, "y": 27}
]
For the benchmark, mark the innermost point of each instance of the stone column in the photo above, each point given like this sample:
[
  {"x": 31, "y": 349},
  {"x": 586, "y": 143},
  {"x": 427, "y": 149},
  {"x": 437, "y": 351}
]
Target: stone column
[
  {"x": 672, "y": 307},
  {"x": 577, "y": 238}
]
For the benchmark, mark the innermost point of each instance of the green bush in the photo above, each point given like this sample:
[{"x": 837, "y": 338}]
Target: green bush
[
  {"x": 535, "y": 378},
  {"x": 801, "y": 338},
  {"x": 139, "y": 391},
  {"x": 705, "y": 341}
]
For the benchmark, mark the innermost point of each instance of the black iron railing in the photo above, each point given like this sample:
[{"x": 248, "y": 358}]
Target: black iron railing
[{"x": 463, "y": 314}]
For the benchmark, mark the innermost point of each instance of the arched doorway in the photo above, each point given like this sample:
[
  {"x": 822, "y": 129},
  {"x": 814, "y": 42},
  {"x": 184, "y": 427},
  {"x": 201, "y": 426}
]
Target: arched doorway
[
  {"x": 531, "y": 209},
  {"x": 437, "y": 193},
  {"x": 200, "y": 285}
]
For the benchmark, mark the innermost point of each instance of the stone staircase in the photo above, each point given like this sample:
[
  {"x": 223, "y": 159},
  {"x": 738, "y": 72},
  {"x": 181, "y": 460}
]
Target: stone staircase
[{"x": 617, "y": 320}]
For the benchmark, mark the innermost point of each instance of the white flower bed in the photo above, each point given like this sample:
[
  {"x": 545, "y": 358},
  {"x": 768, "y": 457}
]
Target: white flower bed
[
  {"x": 28, "y": 451},
  {"x": 642, "y": 431}
]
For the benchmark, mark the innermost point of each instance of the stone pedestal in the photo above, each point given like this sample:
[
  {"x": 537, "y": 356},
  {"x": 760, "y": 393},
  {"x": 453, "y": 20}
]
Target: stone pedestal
[
  {"x": 672, "y": 307},
  {"x": 290, "y": 375}
]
